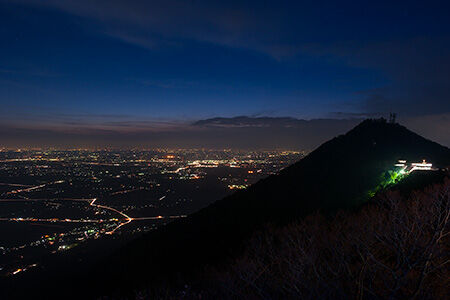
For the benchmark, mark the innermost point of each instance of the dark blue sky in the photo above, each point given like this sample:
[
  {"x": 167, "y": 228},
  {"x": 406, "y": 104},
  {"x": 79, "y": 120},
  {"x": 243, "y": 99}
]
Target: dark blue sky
[{"x": 83, "y": 63}]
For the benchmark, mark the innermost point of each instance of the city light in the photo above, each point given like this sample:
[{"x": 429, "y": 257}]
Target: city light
[{"x": 88, "y": 194}]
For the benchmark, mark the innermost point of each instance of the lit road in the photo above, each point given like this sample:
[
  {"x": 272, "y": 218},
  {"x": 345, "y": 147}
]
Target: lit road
[
  {"x": 159, "y": 217},
  {"x": 44, "y": 199},
  {"x": 15, "y": 184},
  {"x": 51, "y": 220},
  {"x": 29, "y": 189},
  {"x": 92, "y": 202},
  {"x": 127, "y": 219},
  {"x": 126, "y": 191}
]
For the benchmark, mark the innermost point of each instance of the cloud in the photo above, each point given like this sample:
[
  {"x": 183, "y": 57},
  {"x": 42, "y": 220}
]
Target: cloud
[
  {"x": 219, "y": 133},
  {"x": 353, "y": 115},
  {"x": 409, "y": 53},
  {"x": 53, "y": 121},
  {"x": 279, "y": 29},
  {"x": 151, "y": 24},
  {"x": 435, "y": 127},
  {"x": 418, "y": 71},
  {"x": 415, "y": 72},
  {"x": 240, "y": 132}
]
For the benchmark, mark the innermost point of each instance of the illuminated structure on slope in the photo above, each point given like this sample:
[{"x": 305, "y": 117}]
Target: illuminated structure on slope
[
  {"x": 392, "y": 177},
  {"x": 423, "y": 166}
]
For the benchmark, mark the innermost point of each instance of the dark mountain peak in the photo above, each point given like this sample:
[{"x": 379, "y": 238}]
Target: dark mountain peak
[
  {"x": 380, "y": 128},
  {"x": 380, "y": 141},
  {"x": 339, "y": 174}
]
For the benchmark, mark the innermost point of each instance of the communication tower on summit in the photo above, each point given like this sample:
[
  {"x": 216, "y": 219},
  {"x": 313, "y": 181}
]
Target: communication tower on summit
[{"x": 392, "y": 117}]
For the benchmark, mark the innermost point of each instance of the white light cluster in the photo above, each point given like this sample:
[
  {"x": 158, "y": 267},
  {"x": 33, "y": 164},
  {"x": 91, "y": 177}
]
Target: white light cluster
[{"x": 423, "y": 166}]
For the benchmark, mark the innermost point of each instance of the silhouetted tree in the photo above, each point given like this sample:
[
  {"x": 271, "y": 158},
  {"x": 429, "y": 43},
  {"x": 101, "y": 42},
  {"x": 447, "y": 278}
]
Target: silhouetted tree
[{"x": 394, "y": 248}]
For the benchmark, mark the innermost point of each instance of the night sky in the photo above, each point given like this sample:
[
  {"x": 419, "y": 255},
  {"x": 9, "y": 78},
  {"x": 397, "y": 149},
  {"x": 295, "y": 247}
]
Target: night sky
[{"x": 130, "y": 66}]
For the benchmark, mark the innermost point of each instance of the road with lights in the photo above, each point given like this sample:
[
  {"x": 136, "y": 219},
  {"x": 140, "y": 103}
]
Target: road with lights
[
  {"x": 125, "y": 220},
  {"x": 92, "y": 202}
]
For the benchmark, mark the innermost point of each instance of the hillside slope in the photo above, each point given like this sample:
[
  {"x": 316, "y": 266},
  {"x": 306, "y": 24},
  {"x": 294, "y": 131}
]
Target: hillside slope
[
  {"x": 338, "y": 174},
  {"x": 393, "y": 247}
]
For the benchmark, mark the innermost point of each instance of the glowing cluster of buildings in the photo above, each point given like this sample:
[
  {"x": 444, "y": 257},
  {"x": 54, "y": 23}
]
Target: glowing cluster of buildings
[{"x": 411, "y": 167}]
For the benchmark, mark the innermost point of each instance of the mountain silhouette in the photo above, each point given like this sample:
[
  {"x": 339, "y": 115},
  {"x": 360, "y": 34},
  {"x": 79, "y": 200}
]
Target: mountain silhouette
[{"x": 338, "y": 174}]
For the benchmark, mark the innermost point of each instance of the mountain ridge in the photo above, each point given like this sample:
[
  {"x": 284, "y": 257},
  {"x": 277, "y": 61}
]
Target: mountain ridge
[{"x": 338, "y": 174}]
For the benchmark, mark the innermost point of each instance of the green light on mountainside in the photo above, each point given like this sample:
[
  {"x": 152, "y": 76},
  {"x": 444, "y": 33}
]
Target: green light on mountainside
[
  {"x": 402, "y": 170},
  {"x": 388, "y": 179}
]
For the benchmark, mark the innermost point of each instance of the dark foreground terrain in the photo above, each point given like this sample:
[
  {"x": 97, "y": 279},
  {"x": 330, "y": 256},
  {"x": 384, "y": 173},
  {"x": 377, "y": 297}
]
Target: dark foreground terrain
[{"x": 395, "y": 247}]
